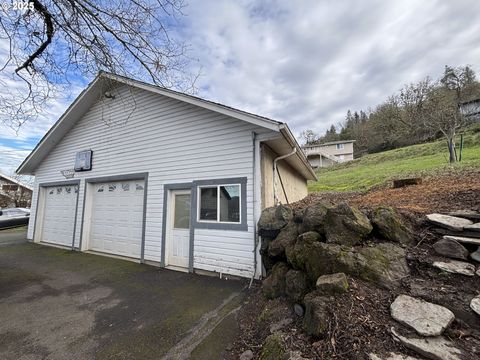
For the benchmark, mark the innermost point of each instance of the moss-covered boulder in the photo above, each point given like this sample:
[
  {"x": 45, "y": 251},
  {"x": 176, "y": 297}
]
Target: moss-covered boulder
[
  {"x": 388, "y": 223},
  {"x": 296, "y": 253},
  {"x": 296, "y": 285},
  {"x": 314, "y": 217},
  {"x": 332, "y": 284},
  {"x": 298, "y": 215},
  {"x": 274, "y": 285},
  {"x": 383, "y": 263},
  {"x": 286, "y": 238},
  {"x": 273, "y": 348},
  {"x": 317, "y": 314},
  {"x": 346, "y": 225},
  {"x": 273, "y": 219}
]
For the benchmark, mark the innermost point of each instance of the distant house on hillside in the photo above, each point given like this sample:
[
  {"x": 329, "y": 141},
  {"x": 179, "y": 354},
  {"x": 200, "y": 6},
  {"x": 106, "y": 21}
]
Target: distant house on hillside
[
  {"x": 329, "y": 153},
  {"x": 471, "y": 109},
  {"x": 13, "y": 193}
]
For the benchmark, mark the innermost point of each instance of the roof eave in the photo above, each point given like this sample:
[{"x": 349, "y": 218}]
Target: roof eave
[{"x": 285, "y": 130}]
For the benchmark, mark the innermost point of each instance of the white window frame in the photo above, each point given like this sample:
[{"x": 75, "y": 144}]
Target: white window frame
[
  {"x": 218, "y": 204},
  {"x": 340, "y": 146}
]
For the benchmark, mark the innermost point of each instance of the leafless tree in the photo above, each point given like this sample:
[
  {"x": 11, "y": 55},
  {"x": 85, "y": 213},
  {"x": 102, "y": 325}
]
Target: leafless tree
[
  {"x": 442, "y": 106},
  {"x": 308, "y": 137},
  {"x": 48, "y": 43}
]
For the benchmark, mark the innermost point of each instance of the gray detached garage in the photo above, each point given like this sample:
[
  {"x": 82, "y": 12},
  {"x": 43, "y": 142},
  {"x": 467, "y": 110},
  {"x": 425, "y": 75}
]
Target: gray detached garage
[{"x": 161, "y": 177}]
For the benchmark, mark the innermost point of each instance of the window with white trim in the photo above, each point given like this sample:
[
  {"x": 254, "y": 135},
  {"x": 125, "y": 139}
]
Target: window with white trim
[
  {"x": 340, "y": 146},
  {"x": 219, "y": 204}
]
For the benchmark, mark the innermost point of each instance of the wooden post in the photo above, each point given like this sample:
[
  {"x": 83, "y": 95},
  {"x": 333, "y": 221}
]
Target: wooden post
[{"x": 461, "y": 147}]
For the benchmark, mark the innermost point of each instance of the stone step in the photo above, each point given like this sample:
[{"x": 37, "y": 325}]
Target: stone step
[
  {"x": 425, "y": 318},
  {"x": 391, "y": 356},
  {"x": 455, "y": 267},
  {"x": 451, "y": 248},
  {"x": 435, "y": 348},
  {"x": 467, "y": 214},
  {"x": 474, "y": 227},
  {"x": 463, "y": 239},
  {"x": 449, "y": 222},
  {"x": 474, "y": 234}
]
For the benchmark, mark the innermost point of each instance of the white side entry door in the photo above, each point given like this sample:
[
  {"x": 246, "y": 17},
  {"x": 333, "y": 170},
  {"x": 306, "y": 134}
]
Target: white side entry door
[{"x": 178, "y": 234}]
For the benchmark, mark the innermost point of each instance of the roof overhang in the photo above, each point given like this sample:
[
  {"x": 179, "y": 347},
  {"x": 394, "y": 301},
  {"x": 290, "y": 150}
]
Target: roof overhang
[
  {"x": 283, "y": 144},
  {"x": 94, "y": 91},
  {"x": 14, "y": 181}
]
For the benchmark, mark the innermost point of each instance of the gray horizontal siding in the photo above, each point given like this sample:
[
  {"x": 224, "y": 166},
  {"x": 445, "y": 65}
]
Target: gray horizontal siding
[{"x": 174, "y": 142}]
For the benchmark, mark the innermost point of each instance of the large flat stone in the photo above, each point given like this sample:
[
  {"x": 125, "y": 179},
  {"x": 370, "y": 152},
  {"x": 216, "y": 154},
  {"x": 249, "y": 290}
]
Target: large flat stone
[
  {"x": 464, "y": 233},
  {"x": 456, "y": 267},
  {"x": 473, "y": 227},
  {"x": 449, "y": 222},
  {"x": 425, "y": 318},
  {"x": 391, "y": 356},
  {"x": 463, "y": 239},
  {"x": 475, "y": 304},
  {"x": 451, "y": 248},
  {"x": 467, "y": 214},
  {"x": 435, "y": 348}
]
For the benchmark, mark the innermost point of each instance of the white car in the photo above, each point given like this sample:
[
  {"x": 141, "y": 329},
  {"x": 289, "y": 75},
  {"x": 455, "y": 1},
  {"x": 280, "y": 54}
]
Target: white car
[{"x": 13, "y": 217}]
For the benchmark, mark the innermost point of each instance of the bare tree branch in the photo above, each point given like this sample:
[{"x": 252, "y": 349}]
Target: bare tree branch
[{"x": 59, "y": 40}]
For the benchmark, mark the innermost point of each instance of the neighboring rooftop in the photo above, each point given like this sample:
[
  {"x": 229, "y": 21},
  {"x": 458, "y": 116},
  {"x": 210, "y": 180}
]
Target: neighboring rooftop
[
  {"x": 330, "y": 143},
  {"x": 12, "y": 180}
]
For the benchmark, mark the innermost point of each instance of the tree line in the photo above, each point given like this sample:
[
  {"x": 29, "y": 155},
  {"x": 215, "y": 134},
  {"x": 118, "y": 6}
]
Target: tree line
[{"x": 419, "y": 112}]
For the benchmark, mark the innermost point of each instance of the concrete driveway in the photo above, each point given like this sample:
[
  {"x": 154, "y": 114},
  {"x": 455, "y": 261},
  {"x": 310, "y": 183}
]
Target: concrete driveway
[
  {"x": 58, "y": 304},
  {"x": 13, "y": 236}
]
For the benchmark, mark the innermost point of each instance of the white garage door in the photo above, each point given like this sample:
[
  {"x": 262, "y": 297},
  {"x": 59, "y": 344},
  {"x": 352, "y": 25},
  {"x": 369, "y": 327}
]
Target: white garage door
[
  {"x": 59, "y": 214},
  {"x": 117, "y": 214}
]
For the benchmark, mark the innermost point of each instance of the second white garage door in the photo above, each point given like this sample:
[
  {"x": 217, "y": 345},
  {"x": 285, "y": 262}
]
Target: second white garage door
[{"x": 117, "y": 215}]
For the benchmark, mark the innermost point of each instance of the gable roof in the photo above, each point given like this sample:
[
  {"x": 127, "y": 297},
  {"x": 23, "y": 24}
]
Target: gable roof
[
  {"x": 90, "y": 94},
  {"x": 12, "y": 180}
]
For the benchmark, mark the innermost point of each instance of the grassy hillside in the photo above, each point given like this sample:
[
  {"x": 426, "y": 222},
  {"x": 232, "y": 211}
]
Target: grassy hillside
[{"x": 417, "y": 160}]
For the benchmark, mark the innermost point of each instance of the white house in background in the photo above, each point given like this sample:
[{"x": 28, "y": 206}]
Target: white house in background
[
  {"x": 329, "y": 153},
  {"x": 150, "y": 174},
  {"x": 14, "y": 193},
  {"x": 471, "y": 109}
]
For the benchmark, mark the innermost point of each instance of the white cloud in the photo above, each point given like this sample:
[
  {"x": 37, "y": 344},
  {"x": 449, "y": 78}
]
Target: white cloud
[{"x": 308, "y": 62}]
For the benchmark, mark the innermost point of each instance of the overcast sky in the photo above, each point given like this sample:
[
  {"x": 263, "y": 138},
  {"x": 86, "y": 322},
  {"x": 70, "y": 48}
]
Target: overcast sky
[{"x": 305, "y": 62}]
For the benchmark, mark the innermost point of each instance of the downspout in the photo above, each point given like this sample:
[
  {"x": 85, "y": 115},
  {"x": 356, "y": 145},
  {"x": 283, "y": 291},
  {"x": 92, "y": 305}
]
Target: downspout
[
  {"x": 275, "y": 195},
  {"x": 255, "y": 235}
]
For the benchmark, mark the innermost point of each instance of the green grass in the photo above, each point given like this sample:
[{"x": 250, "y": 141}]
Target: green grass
[
  {"x": 22, "y": 228},
  {"x": 375, "y": 170}
]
